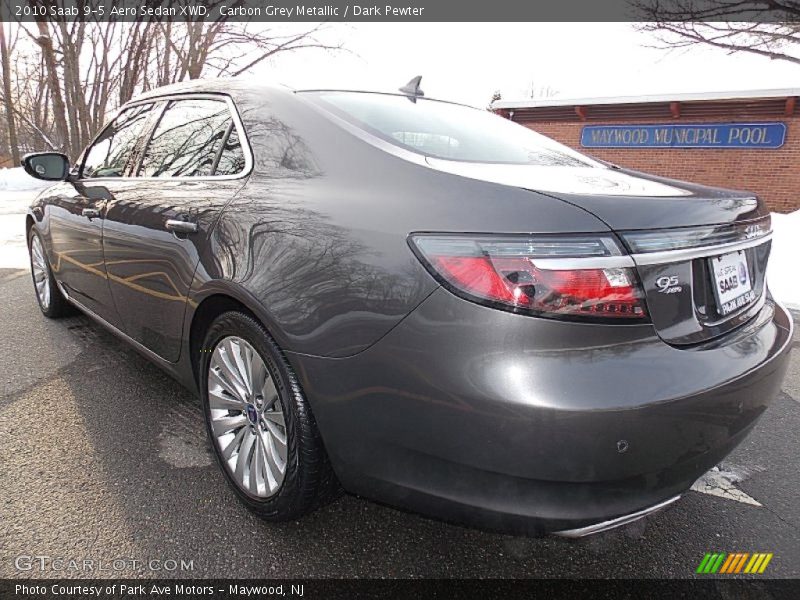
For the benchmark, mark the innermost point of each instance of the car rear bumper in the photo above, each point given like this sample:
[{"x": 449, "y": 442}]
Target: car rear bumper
[
  {"x": 602, "y": 526},
  {"x": 522, "y": 424}
]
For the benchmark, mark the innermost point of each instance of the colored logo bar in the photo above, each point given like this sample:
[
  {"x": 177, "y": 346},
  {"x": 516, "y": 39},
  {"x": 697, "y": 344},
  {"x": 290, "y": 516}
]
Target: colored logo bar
[{"x": 733, "y": 563}]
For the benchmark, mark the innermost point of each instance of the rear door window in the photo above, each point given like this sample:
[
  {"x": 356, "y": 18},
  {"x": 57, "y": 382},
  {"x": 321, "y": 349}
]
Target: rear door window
[
  {"x": 112, "y": 152},
  {"x": 193, "y": 139},
  {"x": 231, "y": 159}
]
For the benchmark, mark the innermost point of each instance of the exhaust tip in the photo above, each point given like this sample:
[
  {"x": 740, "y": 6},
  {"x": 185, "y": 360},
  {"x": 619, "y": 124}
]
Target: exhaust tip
[{"x": 614, "y": 523}]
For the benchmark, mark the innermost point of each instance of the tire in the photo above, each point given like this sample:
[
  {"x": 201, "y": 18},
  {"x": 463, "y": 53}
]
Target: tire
[
  {"x": 48, "y": 295},
  {"x": 307, "y": 481}
]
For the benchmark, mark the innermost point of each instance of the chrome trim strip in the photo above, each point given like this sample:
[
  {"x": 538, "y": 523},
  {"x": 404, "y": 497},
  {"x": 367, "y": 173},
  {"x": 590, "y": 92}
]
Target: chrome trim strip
[
  {"x": 586, "y": 262},
  {"x": 249, "y": 158},
  {"x": 684, "y": 254},
  {"x": 367, "y": 137},
  {"x": 63, "y": 290},
  {"x": 787, "y": 310},
  {"x": 613, "y": 523}
]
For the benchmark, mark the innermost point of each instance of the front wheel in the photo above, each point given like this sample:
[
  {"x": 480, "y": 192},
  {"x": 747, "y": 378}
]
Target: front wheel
[
  {"x": 259, "y": 423},
  {"x": 48, "y": 295}
]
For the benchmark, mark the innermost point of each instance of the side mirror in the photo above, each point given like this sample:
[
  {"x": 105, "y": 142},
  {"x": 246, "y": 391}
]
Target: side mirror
[{"x": 50, "y": 166}]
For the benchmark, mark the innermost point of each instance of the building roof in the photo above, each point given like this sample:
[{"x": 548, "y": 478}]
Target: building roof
[{"x": 648, "y": 98}]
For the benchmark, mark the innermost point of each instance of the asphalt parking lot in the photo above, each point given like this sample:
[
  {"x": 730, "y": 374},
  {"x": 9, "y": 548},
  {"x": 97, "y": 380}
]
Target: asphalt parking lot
[{"x": 104, "y": 457}]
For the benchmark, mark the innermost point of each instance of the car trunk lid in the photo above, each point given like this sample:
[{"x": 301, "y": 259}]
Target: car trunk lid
[
  {"x": 702, "y": 268},
  {"x": 711, "y": 279}
]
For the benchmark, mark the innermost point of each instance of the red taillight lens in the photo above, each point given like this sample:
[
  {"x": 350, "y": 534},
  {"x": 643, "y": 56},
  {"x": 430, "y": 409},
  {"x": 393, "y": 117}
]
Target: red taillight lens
[{"x": 571, "y": 276}]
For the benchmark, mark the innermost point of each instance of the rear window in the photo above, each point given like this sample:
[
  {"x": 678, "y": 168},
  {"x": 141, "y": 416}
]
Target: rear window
[
  {"x": 448, "y": 131},
  {"x": 188, "y": 139}
]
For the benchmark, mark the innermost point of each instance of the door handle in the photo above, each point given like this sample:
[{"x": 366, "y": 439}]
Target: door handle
[
  {"x": 91, "y": 213},
  {"x": 178, "y": 226}
]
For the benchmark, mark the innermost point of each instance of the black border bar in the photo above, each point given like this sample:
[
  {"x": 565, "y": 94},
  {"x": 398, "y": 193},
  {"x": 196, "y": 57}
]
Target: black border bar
[
  {"x": 419, "y": 589},
  {"x": 401, "y": 10}
]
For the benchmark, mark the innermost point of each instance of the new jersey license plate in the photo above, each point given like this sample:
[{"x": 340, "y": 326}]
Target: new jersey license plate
[{"x": 731, "y": 279}]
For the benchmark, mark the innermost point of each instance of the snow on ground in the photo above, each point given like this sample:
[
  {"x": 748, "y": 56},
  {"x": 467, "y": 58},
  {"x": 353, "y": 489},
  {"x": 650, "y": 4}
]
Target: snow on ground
[
  {"x": 783, "y": 273},
  {"x": 17, "y": 180},
  {"x": 18, "y": 189}
]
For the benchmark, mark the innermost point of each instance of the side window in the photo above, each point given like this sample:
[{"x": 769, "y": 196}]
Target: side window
[
  {"x": 188, "y": 139},
  {"x": 231, "y": 159},
  {"x": 111, "y": 151}
]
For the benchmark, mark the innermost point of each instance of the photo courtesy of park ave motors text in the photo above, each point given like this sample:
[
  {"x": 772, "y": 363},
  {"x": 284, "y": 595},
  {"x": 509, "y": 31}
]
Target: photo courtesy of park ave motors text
[{"x": 384, "y": 296}]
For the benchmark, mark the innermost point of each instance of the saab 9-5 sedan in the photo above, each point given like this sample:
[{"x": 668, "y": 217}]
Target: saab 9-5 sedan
[{"x": 417, "y": 302}]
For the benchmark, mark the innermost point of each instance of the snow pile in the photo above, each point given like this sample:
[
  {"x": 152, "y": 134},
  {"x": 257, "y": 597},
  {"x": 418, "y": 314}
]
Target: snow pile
[
  {"x": 783, "y": 273},
  {"x": 17, "y": 180}
]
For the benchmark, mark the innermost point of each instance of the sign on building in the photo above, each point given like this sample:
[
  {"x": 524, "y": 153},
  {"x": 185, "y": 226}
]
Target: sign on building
[{"x": 690, "y": 135}]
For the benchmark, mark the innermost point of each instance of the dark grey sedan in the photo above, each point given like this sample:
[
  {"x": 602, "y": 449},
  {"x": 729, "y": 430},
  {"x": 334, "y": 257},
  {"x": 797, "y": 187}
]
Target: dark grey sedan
[{"x": 418, "y": 302}]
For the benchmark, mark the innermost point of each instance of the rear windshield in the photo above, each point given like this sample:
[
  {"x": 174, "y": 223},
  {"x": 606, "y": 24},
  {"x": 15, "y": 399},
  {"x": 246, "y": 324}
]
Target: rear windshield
[{"x": 448, "y": 131}]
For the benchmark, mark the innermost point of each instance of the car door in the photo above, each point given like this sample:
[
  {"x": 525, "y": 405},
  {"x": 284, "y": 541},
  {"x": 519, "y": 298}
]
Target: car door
[
  {"x": 193, "y": 163},
  {"x": 77, "y": 213}
]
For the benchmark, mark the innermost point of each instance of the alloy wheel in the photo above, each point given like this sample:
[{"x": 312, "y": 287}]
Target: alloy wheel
[
  {"x": 246, "y": 417},
  {"x": 41, "y": 275}
]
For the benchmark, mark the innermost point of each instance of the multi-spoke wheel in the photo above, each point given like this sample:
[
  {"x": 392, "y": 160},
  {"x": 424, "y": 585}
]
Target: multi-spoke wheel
[
  {"x": 49, "y": 297},
  {"x": 260, "y": 425},
  {"x": 247, "y": 417},
  {"x": 41, "y": 274}
]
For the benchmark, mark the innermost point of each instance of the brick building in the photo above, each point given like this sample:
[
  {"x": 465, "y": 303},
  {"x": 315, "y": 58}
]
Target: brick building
[{"x": 745, "y": 140}]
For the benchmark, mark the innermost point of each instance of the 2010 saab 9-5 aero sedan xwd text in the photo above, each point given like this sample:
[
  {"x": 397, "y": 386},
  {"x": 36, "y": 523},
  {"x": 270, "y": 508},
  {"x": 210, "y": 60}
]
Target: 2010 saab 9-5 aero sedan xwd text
[{"x": 417, "y": 301}]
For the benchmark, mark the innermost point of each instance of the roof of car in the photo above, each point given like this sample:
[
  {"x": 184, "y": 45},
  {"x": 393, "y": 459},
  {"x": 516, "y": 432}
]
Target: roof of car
[
  {"x": 228, "y": 85},
  {"x": 217, "y": 85}
]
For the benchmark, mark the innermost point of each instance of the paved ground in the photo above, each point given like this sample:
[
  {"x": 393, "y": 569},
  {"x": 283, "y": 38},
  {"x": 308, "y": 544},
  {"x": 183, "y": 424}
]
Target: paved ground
[{"x": 104, "y": 457}]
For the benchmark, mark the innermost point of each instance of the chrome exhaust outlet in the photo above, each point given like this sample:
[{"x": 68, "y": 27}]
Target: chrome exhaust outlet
[{"x": 614, "y": 523}]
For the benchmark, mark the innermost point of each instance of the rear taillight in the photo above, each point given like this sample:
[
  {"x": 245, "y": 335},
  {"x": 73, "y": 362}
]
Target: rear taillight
[{"x": 559, "y": 276}]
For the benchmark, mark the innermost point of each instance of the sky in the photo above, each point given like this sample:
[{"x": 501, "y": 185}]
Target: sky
[{"x": 467, "y": 62}]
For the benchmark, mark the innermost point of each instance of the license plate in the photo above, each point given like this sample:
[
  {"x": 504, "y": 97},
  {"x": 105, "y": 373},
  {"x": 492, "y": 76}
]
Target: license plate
[{"x": 731, "y": 279}]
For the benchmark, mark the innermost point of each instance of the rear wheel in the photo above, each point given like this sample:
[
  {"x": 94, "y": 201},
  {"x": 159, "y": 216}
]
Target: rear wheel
[
  {"x": 48, "y": 295},
  {"x": 259, "y": 423}
]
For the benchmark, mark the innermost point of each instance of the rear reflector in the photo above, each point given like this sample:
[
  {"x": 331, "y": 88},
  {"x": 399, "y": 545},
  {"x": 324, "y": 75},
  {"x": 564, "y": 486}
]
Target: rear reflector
[{"x": 564, "y": 276}]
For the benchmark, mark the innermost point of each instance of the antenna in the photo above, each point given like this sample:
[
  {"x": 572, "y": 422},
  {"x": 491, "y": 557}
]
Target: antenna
[{"x": 412, "y": 89}]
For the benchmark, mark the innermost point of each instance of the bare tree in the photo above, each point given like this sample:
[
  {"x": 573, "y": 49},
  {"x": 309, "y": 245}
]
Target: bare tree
[
  {"x": 53, "y": 82},
  {"x": 69, "y": 75},
  {"x": 8, "y": 100},
  {"x": 535, "y": 91},
  {"x": 225, "y": 48},
  {"x": 496, "y": 97},
  {"x": 768, "y": 28}
]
